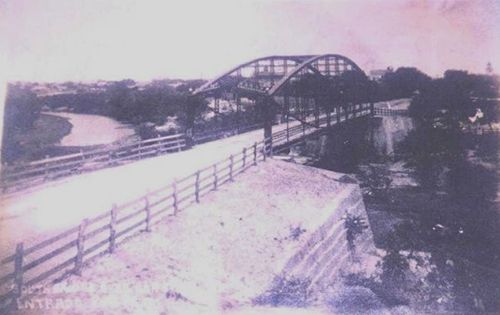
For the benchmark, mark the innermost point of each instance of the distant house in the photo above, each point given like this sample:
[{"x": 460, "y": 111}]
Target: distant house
[{"x": 377, "y": 74}]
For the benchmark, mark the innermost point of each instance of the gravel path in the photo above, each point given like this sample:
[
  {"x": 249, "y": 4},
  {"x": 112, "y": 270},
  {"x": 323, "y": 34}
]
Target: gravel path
[{"x": 213, "y": 258}]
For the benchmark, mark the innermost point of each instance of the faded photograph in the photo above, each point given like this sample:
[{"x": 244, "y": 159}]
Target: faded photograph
[{"x": 250, "y": 157}]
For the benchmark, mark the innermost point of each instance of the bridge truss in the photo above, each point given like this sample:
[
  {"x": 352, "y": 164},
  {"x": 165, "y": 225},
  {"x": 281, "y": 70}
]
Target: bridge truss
[{"x": 290, "y": 87}]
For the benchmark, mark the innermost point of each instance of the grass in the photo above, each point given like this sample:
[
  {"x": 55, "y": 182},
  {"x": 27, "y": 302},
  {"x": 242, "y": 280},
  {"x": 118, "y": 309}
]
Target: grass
[{"x": 37, "y": 142}]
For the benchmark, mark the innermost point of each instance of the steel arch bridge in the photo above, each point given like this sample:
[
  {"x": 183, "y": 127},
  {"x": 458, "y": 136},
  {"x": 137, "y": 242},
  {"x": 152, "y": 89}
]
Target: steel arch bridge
[{"x": 292, "y": 86}]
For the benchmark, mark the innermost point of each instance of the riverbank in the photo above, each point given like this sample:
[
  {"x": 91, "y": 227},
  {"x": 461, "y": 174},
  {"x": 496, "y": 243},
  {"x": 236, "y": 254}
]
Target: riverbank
[
  {"x": 432, "y": 201},
  {"x": 59, "y": 133},
  {"x": 47, "y": 131}
]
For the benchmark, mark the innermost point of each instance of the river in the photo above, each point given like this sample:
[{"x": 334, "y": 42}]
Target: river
[
  {"x": 90, "y": 130},
  {"x": 432, "y": 202}
]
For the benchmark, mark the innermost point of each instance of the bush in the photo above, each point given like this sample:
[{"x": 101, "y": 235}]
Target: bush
[{"x": 291, "y": 291}]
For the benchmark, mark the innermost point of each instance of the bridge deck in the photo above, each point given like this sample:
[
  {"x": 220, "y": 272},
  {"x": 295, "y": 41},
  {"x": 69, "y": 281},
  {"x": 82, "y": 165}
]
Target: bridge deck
[{"x": 35, "y": 215}]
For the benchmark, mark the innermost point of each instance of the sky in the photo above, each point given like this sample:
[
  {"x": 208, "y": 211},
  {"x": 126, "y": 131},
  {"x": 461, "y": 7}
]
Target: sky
[{"x": 82, "y": 40}]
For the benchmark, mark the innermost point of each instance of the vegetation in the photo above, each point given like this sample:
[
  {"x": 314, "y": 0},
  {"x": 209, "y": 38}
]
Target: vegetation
[
  {"x": 402, "y": 83},
  {"x": 450, "y": 100},
  {"x": 128, "y": 102},
  {"x": 290, "y": 291},
  {"x": 354, "y": 226}
]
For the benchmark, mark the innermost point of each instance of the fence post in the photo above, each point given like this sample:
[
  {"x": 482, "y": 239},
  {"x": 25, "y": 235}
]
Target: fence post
[
  {"x": 179, "y": 147},
  {"x": 197, "y": 187},
  {"x": 255, "y": 153},
  {"x": 231, "y": 159},
  {"x": 46, "y": 168},
  {"x": 244, "y": 158},
  {"x": 159, "y": 150},
  {"x": 112, "y": 229},
  {"x": 140, "y": 150},
  {"x": 148, "y": 214},
  {"x": 110, "y": 159},
  {"x": 264, "y": 152},
  {"x": 80, "y": 247},
  {"x": 174, "y": 196},
  {"x": 287, "y": 130},
  {"x": 215, "y": 176},
  {"x": 18, "y": 270}
]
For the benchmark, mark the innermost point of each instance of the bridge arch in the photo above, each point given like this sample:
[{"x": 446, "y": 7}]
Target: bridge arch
[
  {"x": 259, "y": 87},
  {"x": 276, "y": 60},
  {"x": 348, "y": 64}
]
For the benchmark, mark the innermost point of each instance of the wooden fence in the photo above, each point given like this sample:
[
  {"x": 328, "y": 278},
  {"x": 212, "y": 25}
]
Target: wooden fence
[
  {"x": 70, "y": 250},
  {"x": 33, "y": 173}
]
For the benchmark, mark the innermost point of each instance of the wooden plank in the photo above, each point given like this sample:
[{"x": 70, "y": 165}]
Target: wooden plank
[
  {"x": 130, "y": 228},
  {"x": 53, "y": 159},
  {"x": 98, "y": 230},
  {"x": 129, "y": 216},
  {"x": 80, "y": 247},
  {"x": 159, "y": 201},
  {"x": 18, "y": 270},
  {"x": 51, "y": 240},
  {"x": 8, "y": 259},
  {"x": 50, "y": 272},
  {"x": 255, "y": 153},
  {"x": 174, "y": 197},
  {"x": 215, "y": 182},
  {"x": 95, "y": 247},
  {"x": 5, "y": 297},
  {"x": 112, "y": 229},
  {"x": 197, "y": 187},
  {"x": 52, "y": 254},
  {"x": 147, "y": 208},
  {"x": 98, "y": 218},
  {"x": 5, "y": 278},
  {"x": 159, "y": 211},
  {"x": 244, "y": 152}
]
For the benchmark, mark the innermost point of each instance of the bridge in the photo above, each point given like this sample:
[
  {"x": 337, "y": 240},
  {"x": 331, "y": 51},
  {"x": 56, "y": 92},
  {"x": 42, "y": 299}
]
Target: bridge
[
  {"x": 296, "y": 96},
  {"x": 293, "y": 87}
]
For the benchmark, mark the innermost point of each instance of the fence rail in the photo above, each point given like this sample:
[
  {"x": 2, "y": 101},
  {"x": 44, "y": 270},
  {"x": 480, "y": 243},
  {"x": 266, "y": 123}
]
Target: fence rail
[
  {"x": 18, "y": 176},
  {"x": 200, "y": 136},
  {"x": 70, "y": 250}
]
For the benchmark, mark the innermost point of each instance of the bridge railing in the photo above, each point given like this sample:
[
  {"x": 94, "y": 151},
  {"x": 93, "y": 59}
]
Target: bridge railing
[
  {"x": 69, "y": 251},
  {"x": 284, "y": 139},
  {"x": 33, "y": 173},
  {"x": 391, "y": 112},
  {"x": 206, "y": 136}
]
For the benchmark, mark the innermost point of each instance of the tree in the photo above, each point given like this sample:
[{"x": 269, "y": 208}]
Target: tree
[
  {"x": 403, "y": 82},
  {"x": 22, "y": 108}
]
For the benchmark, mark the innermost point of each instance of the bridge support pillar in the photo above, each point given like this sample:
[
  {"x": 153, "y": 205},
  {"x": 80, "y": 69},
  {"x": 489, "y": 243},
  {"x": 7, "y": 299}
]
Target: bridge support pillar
[
  {"x": 316, "y": 112},
  {"x": 268, "y": 115},
  {"x": 287, "y": 113},
  {"x": 238, "y": 112}
]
